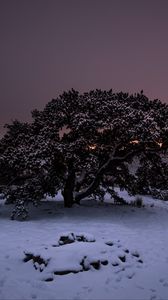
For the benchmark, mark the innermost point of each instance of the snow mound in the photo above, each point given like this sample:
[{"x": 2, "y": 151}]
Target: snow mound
[{"x": 81, "y": 252}]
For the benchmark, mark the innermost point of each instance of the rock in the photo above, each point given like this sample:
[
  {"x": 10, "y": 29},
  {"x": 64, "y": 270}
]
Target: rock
[
  {"x": 109, "y": 243},
  {"x": 67, "y": 239},
  {"x": 122, "y": 258}
]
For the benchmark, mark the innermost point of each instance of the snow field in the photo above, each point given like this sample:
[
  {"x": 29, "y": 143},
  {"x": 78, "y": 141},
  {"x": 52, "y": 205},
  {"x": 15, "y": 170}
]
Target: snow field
[{"x": 92, "y": 251}]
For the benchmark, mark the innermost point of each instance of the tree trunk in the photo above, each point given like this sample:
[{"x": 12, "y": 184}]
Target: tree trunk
[{"x": 69, "y": 188}]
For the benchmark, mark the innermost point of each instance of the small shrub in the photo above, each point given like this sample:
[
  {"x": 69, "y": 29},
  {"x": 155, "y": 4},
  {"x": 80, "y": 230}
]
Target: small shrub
[{"x": 138, "y": 202}]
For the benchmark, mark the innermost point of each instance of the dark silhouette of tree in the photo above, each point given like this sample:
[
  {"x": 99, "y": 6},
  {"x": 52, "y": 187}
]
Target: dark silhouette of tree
[{"x": 84, "y": 144}]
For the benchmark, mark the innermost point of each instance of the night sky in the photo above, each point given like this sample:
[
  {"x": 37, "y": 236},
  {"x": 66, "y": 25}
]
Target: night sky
[{"x": 49, "y": 46}]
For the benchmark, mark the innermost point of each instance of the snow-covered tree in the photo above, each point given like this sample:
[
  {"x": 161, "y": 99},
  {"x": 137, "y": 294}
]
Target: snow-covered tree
[
  {"x": 84, "y": 144},
  {"x": 29, "y": 167}
]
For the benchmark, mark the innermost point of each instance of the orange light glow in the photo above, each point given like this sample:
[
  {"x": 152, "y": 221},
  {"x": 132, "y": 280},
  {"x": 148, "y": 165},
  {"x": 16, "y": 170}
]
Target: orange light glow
[
  {"x": 134, "y": 142},
  {"x": 160, "y": 144},
  {"x": 92, "y": 147}
]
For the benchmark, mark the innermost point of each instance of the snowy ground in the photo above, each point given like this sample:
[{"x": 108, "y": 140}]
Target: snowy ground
[{"x": 93, "y": 251}]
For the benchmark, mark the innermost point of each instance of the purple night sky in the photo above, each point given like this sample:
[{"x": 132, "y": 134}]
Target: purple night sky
[{"x": 51, "y": 46}]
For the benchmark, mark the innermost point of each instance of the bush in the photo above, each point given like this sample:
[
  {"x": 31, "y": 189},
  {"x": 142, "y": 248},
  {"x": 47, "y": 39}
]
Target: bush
[{"x": 138, "y": 202}]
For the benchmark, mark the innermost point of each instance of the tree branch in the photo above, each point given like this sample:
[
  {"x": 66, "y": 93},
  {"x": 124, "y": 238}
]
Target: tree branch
[{"x": 95, "y": 183}]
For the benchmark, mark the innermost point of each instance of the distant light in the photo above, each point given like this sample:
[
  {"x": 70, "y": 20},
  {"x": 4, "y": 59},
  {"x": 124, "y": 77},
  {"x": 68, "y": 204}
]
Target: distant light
[
  {"x": 92, "y": 147},
  {"x": 160, "y": 144},
  {"x": 134, "y": 142}
]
